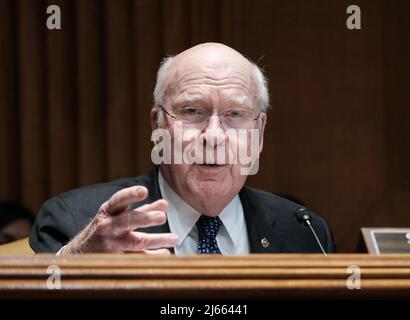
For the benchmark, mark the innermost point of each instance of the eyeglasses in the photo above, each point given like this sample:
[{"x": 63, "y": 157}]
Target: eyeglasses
[{"x": 199, "y": 117}]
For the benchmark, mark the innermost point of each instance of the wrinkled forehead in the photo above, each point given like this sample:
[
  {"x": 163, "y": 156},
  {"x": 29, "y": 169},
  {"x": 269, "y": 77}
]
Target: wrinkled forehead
[
  {"x": 226, "y": 76},
  {"x": 215, "y": 62}
]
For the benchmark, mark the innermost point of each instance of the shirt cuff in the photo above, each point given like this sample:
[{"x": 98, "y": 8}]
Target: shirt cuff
[{"x": 59, "y": 251}]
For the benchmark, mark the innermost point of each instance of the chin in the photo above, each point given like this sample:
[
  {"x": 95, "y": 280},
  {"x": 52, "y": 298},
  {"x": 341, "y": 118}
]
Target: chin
[
  {"x": 213, "y": 189},
  {"x": 210, "y": 188}
]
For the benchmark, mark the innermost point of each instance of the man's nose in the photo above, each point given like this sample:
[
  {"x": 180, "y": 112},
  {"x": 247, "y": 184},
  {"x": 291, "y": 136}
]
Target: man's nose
[
  {"x": 214, "y": 123},
  {"x": 214, "y": 130}
]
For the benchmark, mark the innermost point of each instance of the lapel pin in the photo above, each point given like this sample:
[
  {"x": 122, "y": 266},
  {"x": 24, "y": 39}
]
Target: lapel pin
[{"x": 265, "y": 242}]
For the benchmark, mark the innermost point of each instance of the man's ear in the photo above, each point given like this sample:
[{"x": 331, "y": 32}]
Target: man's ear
[
  {"x": 262, "y": 119},
  {"x": 154, "y": 118}
]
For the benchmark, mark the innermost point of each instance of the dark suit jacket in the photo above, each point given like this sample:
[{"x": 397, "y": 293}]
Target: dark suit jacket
[{"x": 267, "y": 217}]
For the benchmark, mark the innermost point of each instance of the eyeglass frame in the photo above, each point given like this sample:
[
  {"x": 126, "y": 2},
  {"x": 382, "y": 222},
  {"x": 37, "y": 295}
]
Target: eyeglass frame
[{"x": 217, "y": 113}]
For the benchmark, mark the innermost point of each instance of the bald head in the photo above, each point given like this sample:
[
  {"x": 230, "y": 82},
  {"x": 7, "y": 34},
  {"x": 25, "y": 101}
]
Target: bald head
[
  {"x": 211, "y": 55},
  {"x": 218, "y": 63}
]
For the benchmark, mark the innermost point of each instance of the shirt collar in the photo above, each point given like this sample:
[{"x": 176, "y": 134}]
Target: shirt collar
[
  {"x": 232, "y": 217},
  {"x": 182, "y": 217}
]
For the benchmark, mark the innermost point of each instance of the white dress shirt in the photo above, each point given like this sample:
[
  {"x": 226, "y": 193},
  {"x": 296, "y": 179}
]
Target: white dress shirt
[{"x": 232, "y": 236}]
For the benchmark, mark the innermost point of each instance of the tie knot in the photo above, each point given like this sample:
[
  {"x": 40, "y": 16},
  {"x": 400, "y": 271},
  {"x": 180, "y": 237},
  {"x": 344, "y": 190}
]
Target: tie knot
[{"x": 208, "y": 226}]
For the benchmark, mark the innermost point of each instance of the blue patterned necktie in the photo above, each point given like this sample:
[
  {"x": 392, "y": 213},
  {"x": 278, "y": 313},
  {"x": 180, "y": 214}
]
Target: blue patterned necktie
[{"x": 207, "y": 229}]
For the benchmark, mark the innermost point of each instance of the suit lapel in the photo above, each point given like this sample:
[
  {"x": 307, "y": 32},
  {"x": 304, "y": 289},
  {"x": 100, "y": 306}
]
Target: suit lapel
[{"x": 260, "y": 222}]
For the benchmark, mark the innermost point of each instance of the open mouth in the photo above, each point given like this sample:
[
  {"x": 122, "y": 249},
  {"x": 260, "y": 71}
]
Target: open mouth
[{"x": 211, "y": 165}]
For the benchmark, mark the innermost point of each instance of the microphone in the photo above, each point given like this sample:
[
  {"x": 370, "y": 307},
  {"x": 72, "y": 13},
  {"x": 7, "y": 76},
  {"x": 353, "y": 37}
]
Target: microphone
[{"x": 302, "y": 215}]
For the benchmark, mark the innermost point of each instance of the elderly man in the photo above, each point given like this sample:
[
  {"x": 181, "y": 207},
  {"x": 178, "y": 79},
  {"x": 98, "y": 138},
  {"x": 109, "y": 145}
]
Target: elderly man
[{"x": 181, "y": 206}]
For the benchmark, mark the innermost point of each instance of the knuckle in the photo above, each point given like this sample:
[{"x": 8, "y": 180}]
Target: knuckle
[
  {"x": 125, "y": 222},
  {"x": 112, "y": 203},
  {"x": 128, "y": 222},
  {"x": 102, "y": 223},
  {"x": 141, "y": 241},
  {"x": 104, "y": 209},
  {"x": 145, "y": 219},
  {"x": 155, "y": 217}
]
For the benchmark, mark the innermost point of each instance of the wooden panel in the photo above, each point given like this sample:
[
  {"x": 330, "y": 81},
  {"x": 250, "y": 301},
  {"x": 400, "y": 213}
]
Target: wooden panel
[
  {"x": 33, "y": 112},
  {"x": 148, "y": 54},
  {"x": 9, "y": 113},
  {"x": 120, "y": 88},
  {"x": 175, "y": 26},
  {"x": 253, "y": 276},
  {"x": 62, "y": 109},
  {"x": 229, "y": 13},
  {"x": 205, "y": 21},
  {"x": 90, "y": 85},
  {"x": 396, "y": 27}
]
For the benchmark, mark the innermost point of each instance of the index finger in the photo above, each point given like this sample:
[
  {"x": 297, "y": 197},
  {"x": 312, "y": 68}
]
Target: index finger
[{"x": 122, "y": 199}]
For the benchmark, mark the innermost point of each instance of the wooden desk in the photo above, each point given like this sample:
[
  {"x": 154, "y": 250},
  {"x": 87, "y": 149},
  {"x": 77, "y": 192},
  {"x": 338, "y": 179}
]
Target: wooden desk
[{"x": 210, "y": 277}]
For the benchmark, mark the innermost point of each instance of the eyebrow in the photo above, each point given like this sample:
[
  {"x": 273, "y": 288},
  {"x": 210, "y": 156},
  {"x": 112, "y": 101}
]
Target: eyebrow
[
  {"x": 186, "y": 97},
  {"x": 191, "y": 98},
  {"x": 240, "y": 99}
]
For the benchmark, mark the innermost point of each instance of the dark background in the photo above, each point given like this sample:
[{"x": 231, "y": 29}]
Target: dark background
[{"x": 74, "y": 103}]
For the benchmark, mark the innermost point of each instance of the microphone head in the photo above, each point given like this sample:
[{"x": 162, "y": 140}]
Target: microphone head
[{"x": 302, "y": 215}]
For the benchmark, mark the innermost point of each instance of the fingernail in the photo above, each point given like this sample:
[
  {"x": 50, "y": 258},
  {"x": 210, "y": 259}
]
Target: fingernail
[{"x": 140, "y": 190}]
